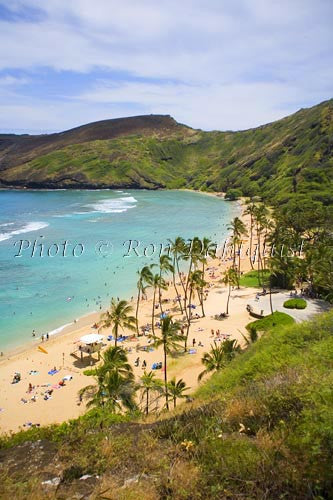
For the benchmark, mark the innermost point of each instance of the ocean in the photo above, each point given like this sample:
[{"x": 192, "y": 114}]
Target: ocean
[{"x": 64, "y": 254}]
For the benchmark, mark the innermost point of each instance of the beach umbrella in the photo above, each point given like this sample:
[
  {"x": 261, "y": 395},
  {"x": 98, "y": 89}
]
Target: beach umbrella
[{"x": 91, "y": 338}]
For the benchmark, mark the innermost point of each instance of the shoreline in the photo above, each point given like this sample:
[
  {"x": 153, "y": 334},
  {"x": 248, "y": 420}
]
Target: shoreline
[
  {"x": 60, "y": 348},
  {"x": 69, "y": 327}
]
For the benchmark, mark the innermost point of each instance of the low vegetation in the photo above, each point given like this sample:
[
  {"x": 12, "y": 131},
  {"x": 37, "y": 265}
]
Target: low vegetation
[
  {"x": 259, "y": 428},
  {"x": 277, "y": 319},
  {"x": 251, "y": 279},
  {"x": 295, "y": 304}
]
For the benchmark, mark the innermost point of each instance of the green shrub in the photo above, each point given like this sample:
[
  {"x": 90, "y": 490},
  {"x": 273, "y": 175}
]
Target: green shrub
[
  {"x": 295, "y": 304},
  {"x": 270, "y": 321},
  {"x": 251, "y": 279},
  {"x": 233, "y": 194}
]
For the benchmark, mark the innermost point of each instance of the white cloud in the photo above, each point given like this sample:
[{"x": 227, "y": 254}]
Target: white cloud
[{"x": 214, "y": 63}]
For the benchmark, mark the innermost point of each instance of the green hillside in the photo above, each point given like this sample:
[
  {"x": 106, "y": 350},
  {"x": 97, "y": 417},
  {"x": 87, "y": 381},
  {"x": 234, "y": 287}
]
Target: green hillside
[
  {"x": 292, "y": 155},
  {"x": 261, "y": 428}
]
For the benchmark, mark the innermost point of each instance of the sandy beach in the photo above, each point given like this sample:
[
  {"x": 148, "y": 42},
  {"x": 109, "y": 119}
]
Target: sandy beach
[{"x": 21, "y": 407}]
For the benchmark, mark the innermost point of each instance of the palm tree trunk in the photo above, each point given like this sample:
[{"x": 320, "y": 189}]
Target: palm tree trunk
[
  {"x": 183, "y": 286},
  {"x": 251, "y": 238},
  {"x": 200, "y": 295},
  {"x": 187, "y": 282},
  {"x": 259, "y": 257},
  {"x": 159, "y": 292},
  {"x": 174, "y": 401},
  {"x": 115, "y": 335},
  {"x": 270, "y": 294},
  {"x": 174, "y": 285},
  {"x": 239, "y": 266},
  {"x": 229, "y": 291},
  {"x": 137, "y": 310},
  {"x": 153, "y": 313},
  {"x": 189, "y": 319},
  {"x": 166, "y": 379}
]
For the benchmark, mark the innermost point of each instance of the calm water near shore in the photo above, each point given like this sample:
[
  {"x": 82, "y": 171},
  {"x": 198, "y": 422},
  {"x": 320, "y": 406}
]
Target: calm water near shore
[{"x": 63, "y": 253}]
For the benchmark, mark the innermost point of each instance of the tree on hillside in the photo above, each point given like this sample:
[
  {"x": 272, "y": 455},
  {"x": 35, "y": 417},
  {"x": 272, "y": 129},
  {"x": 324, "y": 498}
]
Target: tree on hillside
[
  {"x": 219, "y": 356},
  {"x": 149, "y": 384},
  {"x": 177, "y": 390},
  {"x": 115, "y": 387},
  {"x": 169, "y": 340}
]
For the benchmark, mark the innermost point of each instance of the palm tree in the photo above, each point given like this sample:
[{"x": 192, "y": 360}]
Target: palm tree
[
  {"x": 177, "y": 389},
  {"x": 145, "y": 279},
  {"x": 169, "y": 341},
  {"x": 208, "y": 250},
  {"x": 165, "y": 267},
  {"x": 177, "y": 248},
  {"x": 250, "y": 210},
  {"x": 218, "y": 356},
  {"x": 192, "y": 253},
  {"x": 213, "y": 360},
  {"x": 114, "y": 393},
  {"x": 158, "y": 283},
  {"x": 115, "y": 358},
  {"x": 229, "y": 279},
  {"x": 115, "y": 387},
  {"x": 260, "y": 217},
  {"x": 230, "y": 348},
  {"x": 149, "y": 383},
  {"x": 238, "y": 229},
  {"x": 251, "y": 337},
  {"x": 118, "y": 316},
  {"x": 195, "y": 283}
]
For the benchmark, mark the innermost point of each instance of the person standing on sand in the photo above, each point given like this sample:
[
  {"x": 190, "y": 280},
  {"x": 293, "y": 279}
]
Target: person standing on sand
[
  {"x": 34, "y": 333},
  {"x": 47, "y": 336}
]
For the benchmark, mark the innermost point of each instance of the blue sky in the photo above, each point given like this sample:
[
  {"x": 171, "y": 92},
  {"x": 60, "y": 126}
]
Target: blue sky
[{"x": 211, "y": 64}]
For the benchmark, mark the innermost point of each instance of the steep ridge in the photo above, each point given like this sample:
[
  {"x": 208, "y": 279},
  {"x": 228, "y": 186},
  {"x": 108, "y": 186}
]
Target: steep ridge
[{"x": 291, "y": 155}]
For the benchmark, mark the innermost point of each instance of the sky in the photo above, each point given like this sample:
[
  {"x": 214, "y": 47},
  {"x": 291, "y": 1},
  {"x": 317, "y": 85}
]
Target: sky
[{"x": 211, "y": 64}]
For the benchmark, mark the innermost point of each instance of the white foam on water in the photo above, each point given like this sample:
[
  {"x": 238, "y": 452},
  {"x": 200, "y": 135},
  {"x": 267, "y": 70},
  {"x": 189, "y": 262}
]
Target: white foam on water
[
  {"x": 111, "y": 205},
  {"x": 7, "y": 224},
  {"x": 59, "y": 329},
  {"x": 28, "y": 228}
]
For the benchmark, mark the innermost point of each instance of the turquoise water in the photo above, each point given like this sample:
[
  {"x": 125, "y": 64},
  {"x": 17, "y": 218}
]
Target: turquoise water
[{"x": 41, "y": 289}]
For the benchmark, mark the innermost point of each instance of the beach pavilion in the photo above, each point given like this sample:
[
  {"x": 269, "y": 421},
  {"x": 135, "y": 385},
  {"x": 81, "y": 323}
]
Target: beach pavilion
[{"x": 91, "y": 343}]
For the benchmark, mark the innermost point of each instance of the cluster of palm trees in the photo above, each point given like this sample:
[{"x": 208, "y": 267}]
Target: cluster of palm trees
[
  {"x": 186, "y": 261},
  {"x": 115, "y": 387},
  {"x": 191, "y": 255},
  {"x": 294, "y": 246}
]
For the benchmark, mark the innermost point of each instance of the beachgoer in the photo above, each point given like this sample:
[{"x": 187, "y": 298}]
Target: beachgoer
[
  {"x": 47, "y": 336},
  {"x": 42, "y": 338},
  {"x": 193, "y": 342},
  {"x": 144, "y": 364},
  {"x": 33, "y": 333}
]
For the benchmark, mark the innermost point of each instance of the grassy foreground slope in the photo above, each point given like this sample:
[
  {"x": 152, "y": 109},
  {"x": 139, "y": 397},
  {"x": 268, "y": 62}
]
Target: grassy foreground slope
[
  {"x": 292, "y": 155},
  {"x": 259, "y": 429}
]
